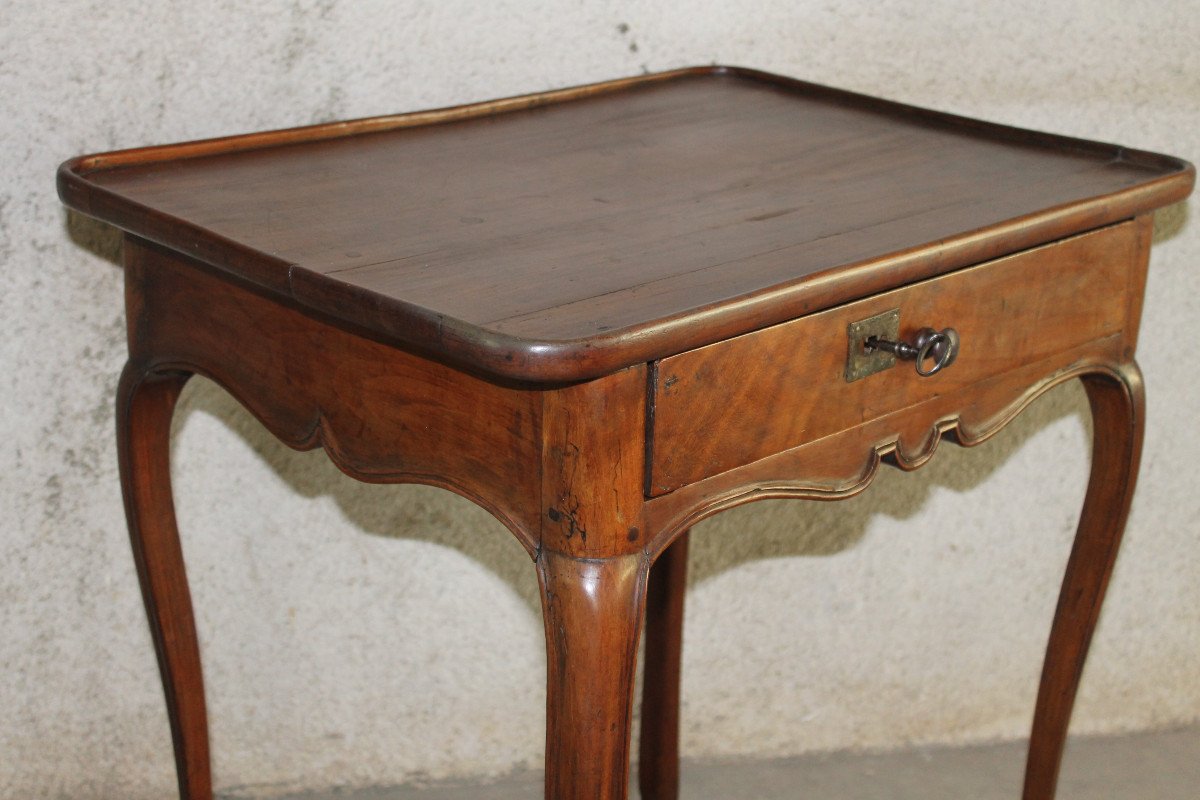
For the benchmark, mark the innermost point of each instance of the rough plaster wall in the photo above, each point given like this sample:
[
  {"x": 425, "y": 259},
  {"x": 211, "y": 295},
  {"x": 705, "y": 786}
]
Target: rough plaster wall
[{"x": 360, "y": 634}]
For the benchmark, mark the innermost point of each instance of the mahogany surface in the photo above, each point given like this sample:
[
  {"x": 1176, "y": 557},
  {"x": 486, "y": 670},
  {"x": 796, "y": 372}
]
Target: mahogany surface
[
  {"x": 606, "y": 313},
  {"x": 564, "y": 236}
]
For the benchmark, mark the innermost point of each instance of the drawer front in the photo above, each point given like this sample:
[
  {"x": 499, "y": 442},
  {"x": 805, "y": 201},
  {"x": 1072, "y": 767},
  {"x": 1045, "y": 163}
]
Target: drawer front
[{"x": 734, "y": 402}]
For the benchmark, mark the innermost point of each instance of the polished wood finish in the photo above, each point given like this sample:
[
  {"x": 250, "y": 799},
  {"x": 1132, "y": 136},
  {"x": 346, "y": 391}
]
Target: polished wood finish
[
  {"x": 382, "y": 414},
  {"x": 1118, "y": 406},
  {"x": 593, "y": 610},
  {"x": 606, "y": 313},
  {"x": 658, "y": 756},
  {"x": 566, "y": 236},
  {"x": 844, "y": 464},
  {"x": 593, "y": 570},
  {"x": 145, "y": 403},
  {"x": 1009, "y": 312},
  {"x": 594, "y": 447}
]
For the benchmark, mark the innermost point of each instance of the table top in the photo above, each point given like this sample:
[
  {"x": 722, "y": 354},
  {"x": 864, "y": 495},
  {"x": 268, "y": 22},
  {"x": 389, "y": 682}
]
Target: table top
[{"x": 563, "y": 235}]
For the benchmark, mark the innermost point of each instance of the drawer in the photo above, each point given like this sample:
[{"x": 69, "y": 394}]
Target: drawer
[{"x": 731, "y": 403}]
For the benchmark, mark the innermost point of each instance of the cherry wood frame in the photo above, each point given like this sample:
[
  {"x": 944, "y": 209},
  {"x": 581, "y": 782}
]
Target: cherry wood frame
[{"x": 558, "y": 443}]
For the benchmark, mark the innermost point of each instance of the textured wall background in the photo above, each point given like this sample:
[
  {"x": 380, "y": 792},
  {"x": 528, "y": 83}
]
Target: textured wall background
[{"x": 361, "y": 634}]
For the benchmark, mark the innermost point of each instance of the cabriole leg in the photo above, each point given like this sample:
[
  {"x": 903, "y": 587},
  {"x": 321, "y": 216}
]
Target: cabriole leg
[
  {"x": 593, "y": 611},
  {"x": 1118, "y": 411},
  {"x": 658, "y": 757},
  {"x": 145, "y": 404}
]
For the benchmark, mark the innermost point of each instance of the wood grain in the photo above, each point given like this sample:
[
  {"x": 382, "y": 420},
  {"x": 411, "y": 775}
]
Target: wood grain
[
  {"x": 658, "y": 755},
  {"x": 382, "y": 414},
  {"x": 560, "y": 237},
  {"x": 593, "y": 569},
  {"x": 844, "y": 464},
  {"x": 145, "y": 403},
  {"x": 512, "y": 300},
  {"x": 1118, "y": 403},
  {"x": 836, "y": 467},
  {"x": 593, "y": 440},
  {"x": 593, "y": 611},
  {"x": 719, "y": 407}
]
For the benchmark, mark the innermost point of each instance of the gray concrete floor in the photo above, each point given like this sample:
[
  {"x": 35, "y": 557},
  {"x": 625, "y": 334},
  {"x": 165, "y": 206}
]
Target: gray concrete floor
[{"x": 1149, "y": 766}]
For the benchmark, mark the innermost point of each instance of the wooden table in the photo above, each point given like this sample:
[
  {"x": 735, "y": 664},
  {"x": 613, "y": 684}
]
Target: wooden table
[{"x": 606, "y": 313}]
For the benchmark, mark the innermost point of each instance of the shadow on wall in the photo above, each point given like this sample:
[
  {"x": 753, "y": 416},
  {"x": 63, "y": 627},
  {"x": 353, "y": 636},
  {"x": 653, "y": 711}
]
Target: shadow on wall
[
  {"x": 797, "y": 528},
  {"x": 825, "y": 528},
  {"x": 1171, "y": 221},
  {"x": 94, "y": 236}
]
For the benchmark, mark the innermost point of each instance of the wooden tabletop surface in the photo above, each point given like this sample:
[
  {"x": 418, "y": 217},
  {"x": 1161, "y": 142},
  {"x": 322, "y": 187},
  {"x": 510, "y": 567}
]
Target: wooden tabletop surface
[{"x": 564, "y": 235}]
